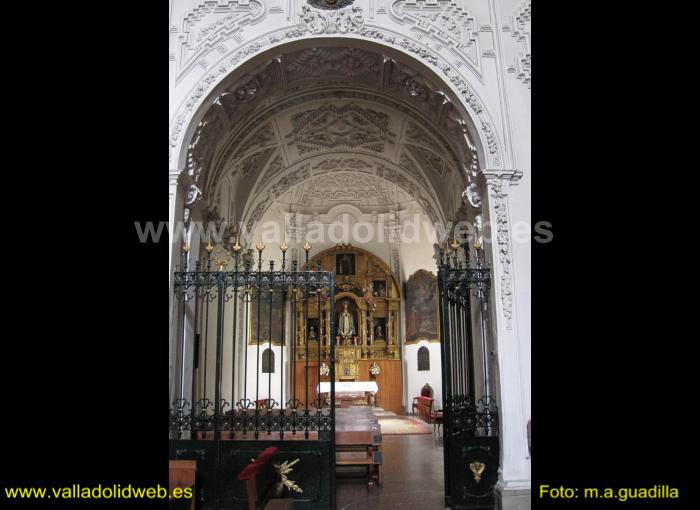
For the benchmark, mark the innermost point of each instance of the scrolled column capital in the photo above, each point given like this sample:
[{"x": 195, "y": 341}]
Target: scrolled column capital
[{"x": 499, "y": 181}]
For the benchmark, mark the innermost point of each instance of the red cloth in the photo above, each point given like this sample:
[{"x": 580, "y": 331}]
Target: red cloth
[
  {"x": 267, "y": 454},
  {"x": 250, "y": 471}
]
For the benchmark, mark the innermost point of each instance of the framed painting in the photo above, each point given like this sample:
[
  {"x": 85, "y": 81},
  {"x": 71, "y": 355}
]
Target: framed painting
[
  {"x": 265, "y": 326},
  {"x": 422, "y": 316}
]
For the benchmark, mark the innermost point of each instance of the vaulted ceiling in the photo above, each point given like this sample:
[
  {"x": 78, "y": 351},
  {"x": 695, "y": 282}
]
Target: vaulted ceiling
[{"x": 323, "y": 126}]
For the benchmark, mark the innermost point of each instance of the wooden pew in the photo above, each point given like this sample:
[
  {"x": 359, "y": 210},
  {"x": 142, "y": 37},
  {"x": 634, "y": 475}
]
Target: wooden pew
[
  {"x": 354, "y": 448},
  {"x": 357, "y": 432}
]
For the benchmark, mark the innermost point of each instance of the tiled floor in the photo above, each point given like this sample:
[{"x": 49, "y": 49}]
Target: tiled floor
[{"x": 413, "y": 477}]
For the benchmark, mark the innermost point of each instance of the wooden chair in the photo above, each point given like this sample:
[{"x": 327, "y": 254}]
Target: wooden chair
[
  {"x": 260, "y": 479},
  {"x": 424, "y": 405},
  {"x": 436, "y": 419},
  {"x": 426, "y": 391}
]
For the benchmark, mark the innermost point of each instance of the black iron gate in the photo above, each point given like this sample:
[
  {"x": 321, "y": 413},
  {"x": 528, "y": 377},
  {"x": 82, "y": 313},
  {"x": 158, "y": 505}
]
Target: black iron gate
[
  {"x": 470, "y": 424},
  {"x": 257, "y": 307}
]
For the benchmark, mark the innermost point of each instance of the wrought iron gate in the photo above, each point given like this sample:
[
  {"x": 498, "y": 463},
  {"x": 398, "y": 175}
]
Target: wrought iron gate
[
  {"x": 470, "y": 425},
  {"x": 223, "y": 436}
]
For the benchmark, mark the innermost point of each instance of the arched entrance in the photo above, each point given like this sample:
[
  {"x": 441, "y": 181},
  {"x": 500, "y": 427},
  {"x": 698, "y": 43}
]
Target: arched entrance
[{"x": 303, "y": 136}]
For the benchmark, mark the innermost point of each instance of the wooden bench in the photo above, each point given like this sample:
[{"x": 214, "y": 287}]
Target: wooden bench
[
  {"x": 350, "y": 424},
  {"x": 355, "y": 448},
  {"x": 260, "y": 478}
]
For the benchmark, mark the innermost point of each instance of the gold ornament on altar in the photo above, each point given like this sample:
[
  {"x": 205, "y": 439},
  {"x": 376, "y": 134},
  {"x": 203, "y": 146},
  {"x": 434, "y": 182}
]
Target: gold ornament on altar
[
  {"x": 324, "y": 370},
  {"x": 374, "y": 369},
  {"x": 477, "y": 468}
]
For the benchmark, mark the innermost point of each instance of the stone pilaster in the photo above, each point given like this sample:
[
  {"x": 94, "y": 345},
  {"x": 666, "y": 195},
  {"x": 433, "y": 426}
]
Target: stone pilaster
[{"x": 514, "y": 479}]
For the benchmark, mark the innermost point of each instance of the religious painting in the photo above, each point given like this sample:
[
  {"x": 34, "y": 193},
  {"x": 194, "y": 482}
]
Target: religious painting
[
  {"x": 379, "y": 287},
  {"x": 345, "y": 264},
  {"x": 262, "y": 324},
  {"x": 422, "y": 322},
  {"x": 380, "y": 328}
]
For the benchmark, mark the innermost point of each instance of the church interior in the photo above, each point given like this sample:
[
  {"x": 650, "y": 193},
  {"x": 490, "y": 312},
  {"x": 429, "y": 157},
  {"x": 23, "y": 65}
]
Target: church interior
[{"x": 332, "y": 343}]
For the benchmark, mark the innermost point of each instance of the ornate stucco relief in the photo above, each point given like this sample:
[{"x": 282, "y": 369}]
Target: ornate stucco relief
[
  {"x": 349, "y": 62},
  {"x": 206, "y": 27},
  {"x": 498, "y": 183},
  {"x": 519, "y": 28},
  {"x": 447, "y": 23},
  {"x": 348, "y": 127},
  {"x": 308, "y": 25}
]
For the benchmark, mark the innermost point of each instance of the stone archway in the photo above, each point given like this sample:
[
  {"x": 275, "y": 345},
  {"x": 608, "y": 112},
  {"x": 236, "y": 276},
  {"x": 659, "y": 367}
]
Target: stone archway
[{"x": 473, "y": 140}]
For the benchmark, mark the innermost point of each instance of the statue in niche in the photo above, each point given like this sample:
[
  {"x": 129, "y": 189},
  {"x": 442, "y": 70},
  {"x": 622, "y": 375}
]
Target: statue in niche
[
  {"x": 369, "y": 296},
  {"x": 312, "y": 333},
  {"x": 379, "y": 332},
  {"x": 346, "y": 325}
]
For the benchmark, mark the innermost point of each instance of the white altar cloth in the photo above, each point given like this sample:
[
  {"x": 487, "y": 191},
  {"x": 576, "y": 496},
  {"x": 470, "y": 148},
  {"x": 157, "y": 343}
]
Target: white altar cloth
[{"x": 349, "y": 386}]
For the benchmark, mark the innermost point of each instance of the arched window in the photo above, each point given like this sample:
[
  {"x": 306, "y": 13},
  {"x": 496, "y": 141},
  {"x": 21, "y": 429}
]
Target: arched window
[
  {"x": 268, "y": 362},
  {"x": 423, "y": 359}
]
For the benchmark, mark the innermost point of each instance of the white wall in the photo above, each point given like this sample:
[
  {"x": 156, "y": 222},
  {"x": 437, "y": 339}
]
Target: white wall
[
  {"x": 262, "y": 381},
  {"x": 416, "y": 380}
]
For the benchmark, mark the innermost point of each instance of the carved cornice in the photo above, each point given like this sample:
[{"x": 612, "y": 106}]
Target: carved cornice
[{"x": 498, "y": 181}]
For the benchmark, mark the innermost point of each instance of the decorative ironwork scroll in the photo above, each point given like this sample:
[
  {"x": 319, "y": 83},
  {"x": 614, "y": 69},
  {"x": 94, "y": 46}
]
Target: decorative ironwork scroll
[{"x": 233, "y": 305}]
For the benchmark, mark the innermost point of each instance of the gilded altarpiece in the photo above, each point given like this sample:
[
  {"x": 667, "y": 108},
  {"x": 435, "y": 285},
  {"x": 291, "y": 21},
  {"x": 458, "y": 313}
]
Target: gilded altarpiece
[{"x": 369, "y": 295}]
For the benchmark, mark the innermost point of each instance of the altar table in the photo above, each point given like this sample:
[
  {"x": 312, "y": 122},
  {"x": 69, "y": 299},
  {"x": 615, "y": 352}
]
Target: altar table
[{"x": 347, "y": 392}]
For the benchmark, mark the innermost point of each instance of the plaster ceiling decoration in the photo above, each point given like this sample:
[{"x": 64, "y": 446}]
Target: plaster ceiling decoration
[
  {"x": 446, "y": 22},
  {"x": 291, "y": 179},
  {"x": 275, "y": 166},
  {"x": 332, "y": 165},
  {"x": 365, "y": 113},
  {"x": 346, "y": 187},
  {"x": 344, "y": 62},
  {"x": 340, "y": 127},
  {"x": 260, "y": 138},
  {"x": 256, "y": 214},
  {"x": 208, "y": 24},
  {"x": 417, "y": 134},
  {"x": 219, "y": 137},
  {"x": 430, "y": 160},
  {"x": 253, "y": 162},
  {"x": 363, "y": 182},
  {"x": 406, "y": 163}
]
